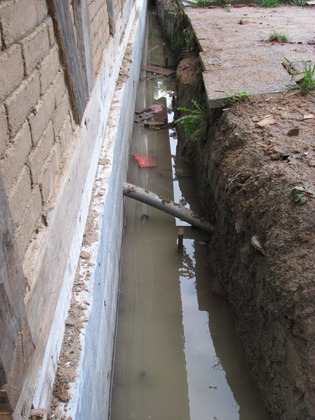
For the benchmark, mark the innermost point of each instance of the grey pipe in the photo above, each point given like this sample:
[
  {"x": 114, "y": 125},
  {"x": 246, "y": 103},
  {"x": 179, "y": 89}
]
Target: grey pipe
[{"x": 168, "y": 206}]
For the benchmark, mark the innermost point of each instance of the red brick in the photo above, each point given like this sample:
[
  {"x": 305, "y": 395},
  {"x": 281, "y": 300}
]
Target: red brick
[
  {"x": 11, "y": 70},
  {"x": 15, "y": 156},
  {"x": 20, "y": 103},
  {"x": 35, "y": 47}
]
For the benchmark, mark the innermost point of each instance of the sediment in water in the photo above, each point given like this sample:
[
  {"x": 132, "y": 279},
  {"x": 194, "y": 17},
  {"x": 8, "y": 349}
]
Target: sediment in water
[{"x": 263, "y": 241}]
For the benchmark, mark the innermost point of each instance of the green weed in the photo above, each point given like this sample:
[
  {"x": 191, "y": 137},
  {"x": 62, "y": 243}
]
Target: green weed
[
  {"x": 173, "y": 8},
  {"x": 307, "y": 83},
  {"x": 188, "y": 38},
  {"x": 302, "y": 193},
  {"x": 194, "y": 123},
  {"x": 299, "y": 3},
  {"x": 278, "y": 37},
  {"x": 199, "y": 3},
  {"x": 270, "y": 3},
  {"x": 236, "y": 97}
]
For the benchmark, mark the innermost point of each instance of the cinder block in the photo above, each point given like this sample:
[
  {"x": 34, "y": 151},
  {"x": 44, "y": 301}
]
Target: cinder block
[
  {"x": 15, "y": 156},
  {"x": 51, "y": 33},
  {"x": 59, "y": 87},
  {"x": 42, "y": 114},
  {"x": 37, "y": 158},
  {"x": 50, "y": 172},
  {"x": 65, "y": 134},
  {"x": 11, "y": 70},
  {"x": 20, "y": 103},
  {"x": 41, "y": 9},
  {"x": 20, "y": 195},
  {"x": 35, "y": 47},
  {"x": 92, "y": 10},
  {"x": 61, "y": 113},
  {"x": 29, "y": 222},
  {"x": 17, "y": 18},
  {"x": 49, "y": 69},
  {"x": 4, "y": 134}
]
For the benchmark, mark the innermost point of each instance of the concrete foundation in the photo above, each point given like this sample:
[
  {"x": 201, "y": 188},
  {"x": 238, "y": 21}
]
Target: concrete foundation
[{"x": 236, "y": 54}]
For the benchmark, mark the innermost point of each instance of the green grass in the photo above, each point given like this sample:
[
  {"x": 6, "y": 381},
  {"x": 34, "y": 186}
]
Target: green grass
[
  {"x": 307, "y": 83},
  {"x": 270, "y": 3},
  {"x": 200, "y": 3},
  {"x": 235, "y": 97},
  {"x": 278, "y": 37},
  {"x": 195, "y": 122}
]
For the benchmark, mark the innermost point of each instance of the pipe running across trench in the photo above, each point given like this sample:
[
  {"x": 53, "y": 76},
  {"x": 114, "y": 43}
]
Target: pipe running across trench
[{"x": 166, "y": 205}]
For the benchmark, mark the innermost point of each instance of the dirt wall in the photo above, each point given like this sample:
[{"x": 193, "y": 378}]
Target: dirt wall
[{"x": 263, "y": 244}]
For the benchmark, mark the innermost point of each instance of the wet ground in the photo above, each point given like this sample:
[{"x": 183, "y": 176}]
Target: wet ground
[{"x": 177, "y": 353}]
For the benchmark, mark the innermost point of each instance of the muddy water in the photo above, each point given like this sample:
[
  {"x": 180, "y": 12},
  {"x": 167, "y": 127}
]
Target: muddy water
[{"x": 177, "y": 354}]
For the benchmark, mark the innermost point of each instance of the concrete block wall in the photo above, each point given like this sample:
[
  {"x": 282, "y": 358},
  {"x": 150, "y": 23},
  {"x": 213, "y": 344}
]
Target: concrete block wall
[
  {"x": 34, "y": 107},
  {"x": 99, "y": 30}
]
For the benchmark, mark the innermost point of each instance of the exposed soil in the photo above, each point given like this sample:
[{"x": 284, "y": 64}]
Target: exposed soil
[{"x": 263, "y": 241}]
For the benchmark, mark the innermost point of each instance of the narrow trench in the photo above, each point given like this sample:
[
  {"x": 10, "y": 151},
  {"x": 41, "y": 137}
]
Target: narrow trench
[{"x": 178, "y": 355}]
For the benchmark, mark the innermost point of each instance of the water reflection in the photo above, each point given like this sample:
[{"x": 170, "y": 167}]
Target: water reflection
[{"x": 219, "y": 385}]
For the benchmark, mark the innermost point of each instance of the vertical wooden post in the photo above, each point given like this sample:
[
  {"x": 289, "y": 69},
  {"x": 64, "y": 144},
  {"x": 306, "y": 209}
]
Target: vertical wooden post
[
  {"x": 82, "y": 26},
  {"x": 77, "y": 82}
]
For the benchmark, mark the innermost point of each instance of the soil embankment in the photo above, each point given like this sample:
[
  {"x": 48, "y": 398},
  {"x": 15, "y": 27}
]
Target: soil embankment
[{"x": 250, "y": 178}]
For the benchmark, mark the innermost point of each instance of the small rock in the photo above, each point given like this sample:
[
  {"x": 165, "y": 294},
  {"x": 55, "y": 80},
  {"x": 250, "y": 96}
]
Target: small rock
[
  {"x": 85, "y": 255},
  {"x": 256, "y": 244},
  {"x": 267, "y": 120},
  {"x": 294, "y": 131}
]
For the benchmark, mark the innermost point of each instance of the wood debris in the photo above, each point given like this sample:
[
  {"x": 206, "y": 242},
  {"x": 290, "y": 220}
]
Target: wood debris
[
  {"x": 159, "y": 70},
  {"x": 267, "y": 120}
]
